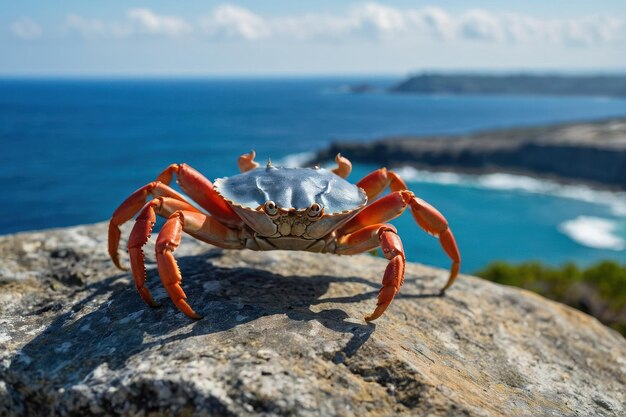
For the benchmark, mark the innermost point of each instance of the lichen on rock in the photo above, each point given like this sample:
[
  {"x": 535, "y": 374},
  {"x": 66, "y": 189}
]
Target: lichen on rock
[{"x": 283, "y": 334}]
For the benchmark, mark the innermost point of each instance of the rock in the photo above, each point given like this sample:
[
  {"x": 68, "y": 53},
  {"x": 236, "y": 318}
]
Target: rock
[
  {"x": 593, "y": 152},
  {"x": 283, "y": 334}
]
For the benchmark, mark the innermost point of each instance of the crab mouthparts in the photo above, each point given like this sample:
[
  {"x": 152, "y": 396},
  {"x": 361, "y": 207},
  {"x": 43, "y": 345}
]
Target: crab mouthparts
[{"x": 292, "y": 222}]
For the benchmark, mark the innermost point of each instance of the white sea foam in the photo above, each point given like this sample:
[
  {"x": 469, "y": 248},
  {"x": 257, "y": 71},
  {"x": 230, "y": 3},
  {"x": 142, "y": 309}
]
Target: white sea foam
[
  {"x": 594, "y": 232},
  {"x": 615, "y": 200},
  {"x": 296, "y": 160}
]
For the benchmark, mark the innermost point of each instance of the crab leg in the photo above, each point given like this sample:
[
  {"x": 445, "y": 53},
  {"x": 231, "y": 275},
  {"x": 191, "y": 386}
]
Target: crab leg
[
  {"x": 246, "y": 162},
  {"x": 200, "y": 226},
  {"x": 201, "y": 190},
  {"x": 363, "y": 240},
  {"x": 162, "y": 206},
  {"x": 129, "y": 208},
  {"x": 429, "y": 219},
  {"x": 370, "y": 237},
  {"x": 344, "y": 166},
  {"x": 375, "y": 183}
]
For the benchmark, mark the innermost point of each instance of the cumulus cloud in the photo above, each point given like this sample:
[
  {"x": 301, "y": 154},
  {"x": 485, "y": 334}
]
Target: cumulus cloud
[
  {"x": 376, "y": 21},
  {"x": 433, "y": 22},
  {"x": 228, "y": 21},
  {"x": 480, "y": 25},
  {"x": 148, "y": 21},
  {"x": 26, "y": 28},
  {"x": 369, "y": 21},
  {"x": 138, "y": 21}
]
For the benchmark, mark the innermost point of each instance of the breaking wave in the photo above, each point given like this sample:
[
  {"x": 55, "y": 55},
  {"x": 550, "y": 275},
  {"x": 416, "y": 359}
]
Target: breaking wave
[
  {"x": 594, "y": 232},
  {"x": 510, "y": 182}
]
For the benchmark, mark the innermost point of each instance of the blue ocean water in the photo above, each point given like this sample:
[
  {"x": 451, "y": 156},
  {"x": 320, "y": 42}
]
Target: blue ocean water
[{"x": 72, "y": 150}]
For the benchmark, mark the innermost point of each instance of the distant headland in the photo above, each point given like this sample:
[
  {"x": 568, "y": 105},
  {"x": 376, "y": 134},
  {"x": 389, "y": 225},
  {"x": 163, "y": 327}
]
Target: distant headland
[
  {"x": 514, "y": 84},
  {"x": 589, "y": 152}
]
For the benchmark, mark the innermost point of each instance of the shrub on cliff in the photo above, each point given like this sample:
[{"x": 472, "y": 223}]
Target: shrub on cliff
[{"x": 599, "y": 290}]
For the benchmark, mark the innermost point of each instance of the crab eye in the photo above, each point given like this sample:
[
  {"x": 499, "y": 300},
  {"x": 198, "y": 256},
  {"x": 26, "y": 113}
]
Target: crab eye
[
  {"x": 270, "y": 208},
  {"x": 315, "y": 210}
]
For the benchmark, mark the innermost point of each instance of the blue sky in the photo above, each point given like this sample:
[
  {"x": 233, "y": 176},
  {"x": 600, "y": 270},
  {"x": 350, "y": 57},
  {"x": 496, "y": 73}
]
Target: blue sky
[{"x": 192, "y": 37}]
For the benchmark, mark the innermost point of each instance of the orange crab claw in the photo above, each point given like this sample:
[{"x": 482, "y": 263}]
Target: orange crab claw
[
  {"x": 370, "y": 237},
  {"x": 138, "y": 238},
  {"x": 394, "y": 273},
  {"x": 144, "y": 222},
  {"x": 201, "y": 227},
  {"x": 129, "y": 208},
  {"x": 167, "y": 242}
]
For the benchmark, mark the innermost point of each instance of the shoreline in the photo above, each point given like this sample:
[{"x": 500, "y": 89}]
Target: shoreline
[{"x": 590, "y": 153}]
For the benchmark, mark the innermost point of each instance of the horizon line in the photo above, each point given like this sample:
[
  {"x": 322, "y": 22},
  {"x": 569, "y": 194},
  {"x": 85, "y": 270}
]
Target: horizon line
[{"x": 321, "y": 75}]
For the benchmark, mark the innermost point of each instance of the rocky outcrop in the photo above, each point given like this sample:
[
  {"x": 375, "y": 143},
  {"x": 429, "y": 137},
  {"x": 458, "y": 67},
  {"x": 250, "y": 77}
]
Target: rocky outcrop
[
  {"x": 283, "y": 334},
  {"x": 584, "y": 152},
  {"x": 512, "y": 84}
]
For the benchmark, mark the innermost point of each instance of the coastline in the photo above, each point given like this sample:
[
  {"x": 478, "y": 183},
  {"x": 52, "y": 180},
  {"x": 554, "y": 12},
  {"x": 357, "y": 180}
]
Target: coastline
[
  {"x": 600, "y": 85},
  {"x": 583, "y": 153}
]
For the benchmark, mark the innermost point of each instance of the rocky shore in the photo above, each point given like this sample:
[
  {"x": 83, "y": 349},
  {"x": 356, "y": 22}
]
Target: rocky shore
[
  {"x": 283, "y": 335},
  {"x": 593, "y": 152}
]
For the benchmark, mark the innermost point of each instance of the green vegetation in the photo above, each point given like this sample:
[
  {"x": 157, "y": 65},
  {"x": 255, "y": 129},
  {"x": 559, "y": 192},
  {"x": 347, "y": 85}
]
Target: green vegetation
[{"x": 599, "y": 290}]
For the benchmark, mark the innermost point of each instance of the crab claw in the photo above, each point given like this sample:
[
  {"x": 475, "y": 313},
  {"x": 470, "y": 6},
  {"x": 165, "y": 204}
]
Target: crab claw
[
  {"x": 393, "y": 279},
  {"x": 168, "y": 240}
]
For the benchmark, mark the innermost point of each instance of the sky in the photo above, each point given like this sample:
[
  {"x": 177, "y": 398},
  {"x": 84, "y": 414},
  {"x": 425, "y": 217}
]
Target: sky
[{"x": 240, "y": 38}]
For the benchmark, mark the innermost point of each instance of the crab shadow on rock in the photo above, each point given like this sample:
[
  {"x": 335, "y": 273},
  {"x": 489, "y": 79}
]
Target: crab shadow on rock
[{"x": 115, "y": 322}]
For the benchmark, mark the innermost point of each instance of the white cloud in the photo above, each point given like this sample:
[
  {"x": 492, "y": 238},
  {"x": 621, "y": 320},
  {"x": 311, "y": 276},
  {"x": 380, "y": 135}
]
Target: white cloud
[
  {"x": 25, "y": 28},
  {"x": 149, "y": 22},
  {"x": 377, "y": 21},
  {"x": 434, "y": 22},
  {"x": 233, "y": 22},
  {"x": 137, "y": 21},
  {"x": 365, "y": 22},
  {"x": 480, "y": 25}
]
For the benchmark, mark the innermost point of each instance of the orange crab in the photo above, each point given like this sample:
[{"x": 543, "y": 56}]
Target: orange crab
[{"x": 270, "y": 208}]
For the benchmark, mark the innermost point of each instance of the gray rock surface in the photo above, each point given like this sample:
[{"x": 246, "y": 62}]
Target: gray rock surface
[{"x": 283, "y": 334}]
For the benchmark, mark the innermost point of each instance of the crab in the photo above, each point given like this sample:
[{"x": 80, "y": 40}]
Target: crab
[{"x": 271, "y": 208}]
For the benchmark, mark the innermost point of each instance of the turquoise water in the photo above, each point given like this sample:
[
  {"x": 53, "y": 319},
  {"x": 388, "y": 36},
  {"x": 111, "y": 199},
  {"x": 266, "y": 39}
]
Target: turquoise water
[{"x": 71, "y": 150}]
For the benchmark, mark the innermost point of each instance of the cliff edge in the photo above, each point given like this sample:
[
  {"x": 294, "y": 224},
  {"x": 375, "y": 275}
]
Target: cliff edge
[
  {"x": 591, "y": 152},
  {"x": 283, "y": 334}
]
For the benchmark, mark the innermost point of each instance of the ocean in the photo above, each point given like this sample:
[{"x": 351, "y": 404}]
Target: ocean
[{"x": 72, "y": 149}]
